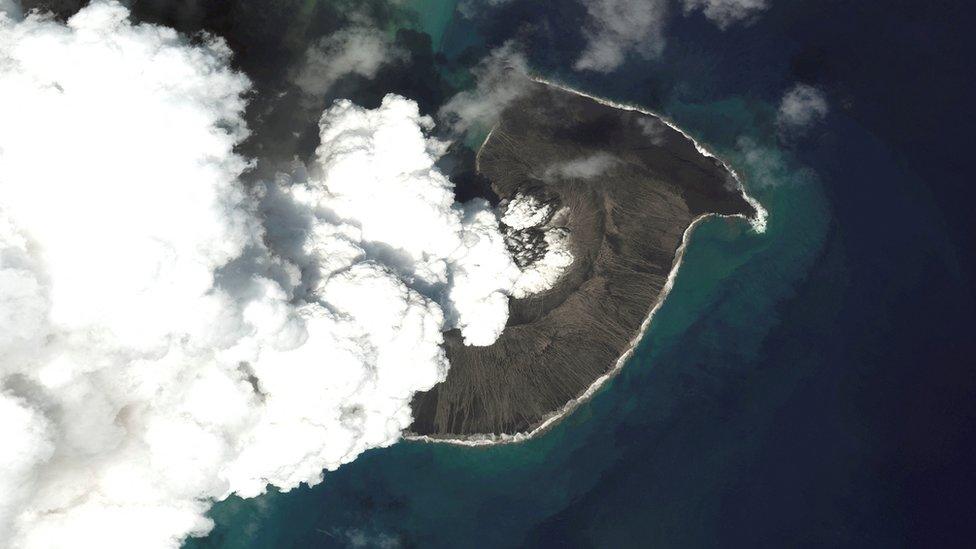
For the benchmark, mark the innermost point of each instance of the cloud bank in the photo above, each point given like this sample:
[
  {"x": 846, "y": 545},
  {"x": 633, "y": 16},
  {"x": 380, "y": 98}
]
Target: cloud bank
[
  {"x": 168, "y": 339},
  {"x": 374, "y": 194}
]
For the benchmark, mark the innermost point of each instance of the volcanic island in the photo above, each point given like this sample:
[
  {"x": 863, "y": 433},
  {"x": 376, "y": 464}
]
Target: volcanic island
[{"x": 623, "y": 188}]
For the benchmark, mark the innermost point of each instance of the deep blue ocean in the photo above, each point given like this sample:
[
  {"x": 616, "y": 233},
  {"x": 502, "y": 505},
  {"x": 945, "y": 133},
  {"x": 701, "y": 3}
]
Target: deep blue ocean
[{"x": 811, "y": 386}]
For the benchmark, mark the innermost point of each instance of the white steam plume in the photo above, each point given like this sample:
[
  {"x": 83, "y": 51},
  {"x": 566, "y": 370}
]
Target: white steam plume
[
  {"x": 524, "y": 214},
  {"x": 356, "y": 50},
  {"x": 167, "y": 340},
  {"x": 801, "y": 107},
  {"x": 725, "y": 13},
  {"x": 584, "y": 167},
  {"x": 616, "y": 28},
  {"x": 502, "y": 77},
  {"x": 375, "y": 195}
]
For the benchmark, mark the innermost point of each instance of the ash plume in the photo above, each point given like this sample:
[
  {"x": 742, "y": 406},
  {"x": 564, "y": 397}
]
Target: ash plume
[{"x": 170, "y": 336}]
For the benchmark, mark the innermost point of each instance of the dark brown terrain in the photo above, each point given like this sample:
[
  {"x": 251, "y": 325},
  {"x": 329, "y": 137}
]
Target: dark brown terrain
[{"x": 626, "y": 225}]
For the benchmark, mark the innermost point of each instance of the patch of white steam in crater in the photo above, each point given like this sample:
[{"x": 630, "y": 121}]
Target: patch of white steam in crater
[{"x": 540, "y": 269}]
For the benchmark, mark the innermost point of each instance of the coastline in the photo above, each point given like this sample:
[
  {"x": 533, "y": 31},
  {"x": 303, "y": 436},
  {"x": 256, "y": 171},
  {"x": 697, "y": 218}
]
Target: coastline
[{"x": 758, "y": 224}]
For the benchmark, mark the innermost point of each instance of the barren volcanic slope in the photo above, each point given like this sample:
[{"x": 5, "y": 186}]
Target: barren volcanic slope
[{"x": 631, "y": 186}]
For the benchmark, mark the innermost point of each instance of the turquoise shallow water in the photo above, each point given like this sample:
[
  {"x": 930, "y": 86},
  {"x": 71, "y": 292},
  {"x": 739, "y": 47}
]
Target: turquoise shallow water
[{"x": 798, "y": 388}]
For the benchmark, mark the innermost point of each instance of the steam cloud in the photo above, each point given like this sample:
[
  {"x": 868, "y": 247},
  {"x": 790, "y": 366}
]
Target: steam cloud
[
  {"x": 584, "y": 167},
  {"x": 801, "y": 106},
  {"x": 618, "y": 28},
  {"x": 525, "y": 219},
  {"x": 725, "y": 13},
  {"x": 357, "y": 50},
  {"x": 168, "y": 338},
  {"x": 502, "y": 77}
]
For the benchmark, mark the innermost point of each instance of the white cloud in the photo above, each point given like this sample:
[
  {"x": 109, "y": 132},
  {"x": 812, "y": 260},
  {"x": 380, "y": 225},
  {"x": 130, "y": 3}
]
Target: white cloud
[
  {"x": 356, "y": 538},
  {"x": 653, "y": 128},
  {"x": 765, "y": 166},
  {"x": 502, "y": 77},
  {"x": 584, "y": 167},
  {"x": 377, "y": 175},
  {"x": 725, "y": 13},
  {"x": 524, "y": 211},
  {"x": 617, "y": 28},
  {"x": 356, "y": 50},
  {"x": 801, "y": 106},
  {"x": 167, "y": 339}
]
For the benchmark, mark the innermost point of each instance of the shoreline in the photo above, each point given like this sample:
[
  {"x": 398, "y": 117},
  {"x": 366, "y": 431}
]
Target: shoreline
[{"x": 758, "y": 225}]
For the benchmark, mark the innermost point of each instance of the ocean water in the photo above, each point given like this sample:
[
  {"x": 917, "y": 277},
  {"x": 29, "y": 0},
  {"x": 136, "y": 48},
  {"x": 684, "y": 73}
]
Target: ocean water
[{"x": 809, "y": 386}]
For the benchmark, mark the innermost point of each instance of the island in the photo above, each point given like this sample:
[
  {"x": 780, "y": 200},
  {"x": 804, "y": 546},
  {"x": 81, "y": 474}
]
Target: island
[{"x": 624, "y": 188}]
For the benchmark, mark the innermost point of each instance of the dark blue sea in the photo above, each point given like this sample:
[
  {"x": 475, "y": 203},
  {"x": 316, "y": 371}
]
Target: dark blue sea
[{"x": 813, "y": 386}]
